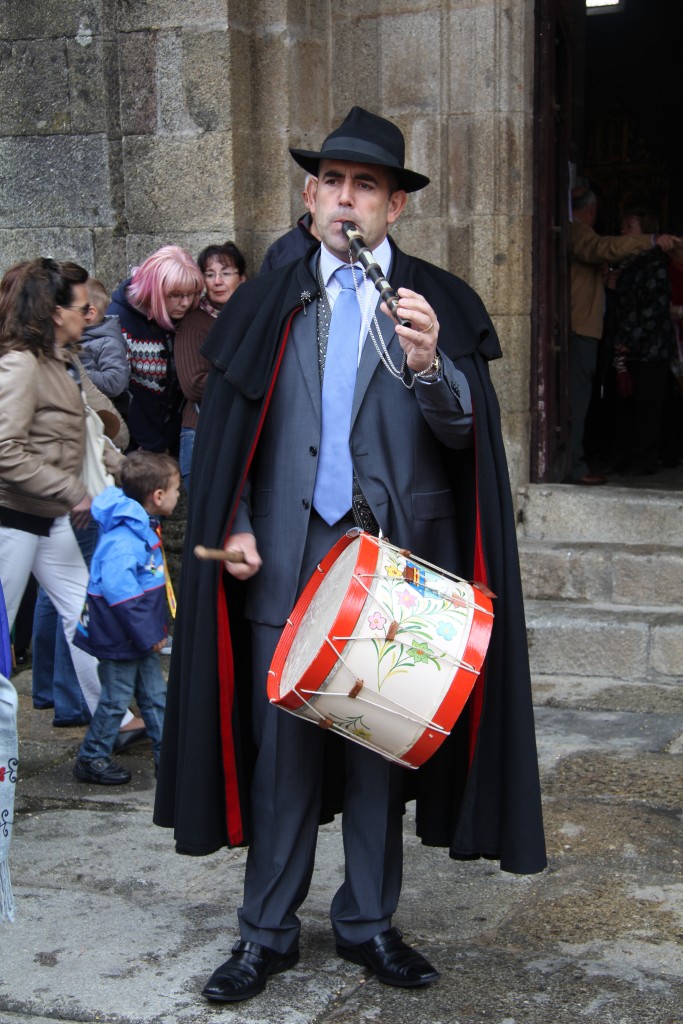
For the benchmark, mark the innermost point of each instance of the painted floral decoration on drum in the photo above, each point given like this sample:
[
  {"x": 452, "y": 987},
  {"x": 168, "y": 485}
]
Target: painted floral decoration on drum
[
  {"x": 353, "y": 725},
  {"x": 422, "y": 611}
]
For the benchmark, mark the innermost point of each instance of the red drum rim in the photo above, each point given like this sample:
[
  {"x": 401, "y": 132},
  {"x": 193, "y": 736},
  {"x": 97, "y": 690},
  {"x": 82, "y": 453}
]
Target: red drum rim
[
  {"x": 343, "y": 625},
  {"x": 454, "y": 701}
]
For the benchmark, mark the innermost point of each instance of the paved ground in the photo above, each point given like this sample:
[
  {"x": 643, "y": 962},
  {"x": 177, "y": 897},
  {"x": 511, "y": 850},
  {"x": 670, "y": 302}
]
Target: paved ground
[{"x": 112, "y": 926}]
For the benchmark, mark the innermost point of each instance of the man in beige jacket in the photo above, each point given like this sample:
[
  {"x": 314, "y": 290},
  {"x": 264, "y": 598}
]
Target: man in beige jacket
[{"x": 589, "y": 252}]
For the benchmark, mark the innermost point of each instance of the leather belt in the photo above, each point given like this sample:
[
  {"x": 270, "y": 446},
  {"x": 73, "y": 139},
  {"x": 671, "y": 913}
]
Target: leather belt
[{"x": 362, "y": 515}]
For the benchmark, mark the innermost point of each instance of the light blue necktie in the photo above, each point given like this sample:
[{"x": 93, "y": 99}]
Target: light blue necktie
[{"x": 334, "y": 480}]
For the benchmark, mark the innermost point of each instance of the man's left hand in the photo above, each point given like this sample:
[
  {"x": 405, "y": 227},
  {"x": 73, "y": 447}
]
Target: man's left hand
[{"x": 418, "y": 341}]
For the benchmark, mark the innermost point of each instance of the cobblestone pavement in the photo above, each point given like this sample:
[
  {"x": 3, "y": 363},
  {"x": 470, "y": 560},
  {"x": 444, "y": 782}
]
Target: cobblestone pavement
[{"x": 112, "y": 926}]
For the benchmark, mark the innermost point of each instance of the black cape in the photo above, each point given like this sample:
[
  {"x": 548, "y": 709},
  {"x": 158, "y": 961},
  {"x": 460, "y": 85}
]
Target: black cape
[{"x": 479, "y": 795}]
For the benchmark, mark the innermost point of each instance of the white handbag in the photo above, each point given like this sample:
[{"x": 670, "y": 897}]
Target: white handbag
[{"x": 93, "y": 473}]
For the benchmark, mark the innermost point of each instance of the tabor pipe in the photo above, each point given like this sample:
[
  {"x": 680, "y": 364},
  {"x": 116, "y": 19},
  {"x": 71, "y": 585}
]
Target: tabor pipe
[
  {"x": 360, "y": 252},
  {"x": 218, "y": 554}
]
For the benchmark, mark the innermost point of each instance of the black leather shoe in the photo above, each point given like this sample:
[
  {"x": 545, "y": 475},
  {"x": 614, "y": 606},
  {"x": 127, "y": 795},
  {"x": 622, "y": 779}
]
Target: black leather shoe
[
  {"x": 244, "y": 975},
  {"x": 128, "y": 737},
  {"x": 101, "y": 770},
  {"x": 391, "y": 959}
]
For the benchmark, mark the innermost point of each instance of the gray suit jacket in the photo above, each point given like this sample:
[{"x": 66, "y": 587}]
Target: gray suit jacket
[{"x": 396, "y": 444}]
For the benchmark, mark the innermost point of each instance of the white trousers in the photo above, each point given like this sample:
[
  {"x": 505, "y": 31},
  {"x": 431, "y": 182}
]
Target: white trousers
[{"x": 57, "y": 563}]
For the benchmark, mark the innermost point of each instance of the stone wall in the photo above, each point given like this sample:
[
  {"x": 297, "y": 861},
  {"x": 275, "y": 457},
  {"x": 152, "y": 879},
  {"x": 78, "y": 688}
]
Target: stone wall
[{"x": 130, "y": 124}]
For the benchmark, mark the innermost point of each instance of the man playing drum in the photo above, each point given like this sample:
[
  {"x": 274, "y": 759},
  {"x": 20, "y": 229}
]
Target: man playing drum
[{"x": 323, "y": 412}]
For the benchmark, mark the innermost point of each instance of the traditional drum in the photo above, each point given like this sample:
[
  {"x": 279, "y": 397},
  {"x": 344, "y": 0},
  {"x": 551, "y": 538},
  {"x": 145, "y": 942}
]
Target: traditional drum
[{"x": 382, "y": 648}]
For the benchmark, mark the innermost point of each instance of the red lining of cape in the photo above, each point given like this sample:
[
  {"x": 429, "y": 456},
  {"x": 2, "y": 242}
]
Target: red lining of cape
[{"x": 226, "y": 674}]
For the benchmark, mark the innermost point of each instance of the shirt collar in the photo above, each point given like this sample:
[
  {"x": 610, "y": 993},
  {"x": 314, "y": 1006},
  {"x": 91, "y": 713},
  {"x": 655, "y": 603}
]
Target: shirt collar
[{"x": 329, "y": 263}]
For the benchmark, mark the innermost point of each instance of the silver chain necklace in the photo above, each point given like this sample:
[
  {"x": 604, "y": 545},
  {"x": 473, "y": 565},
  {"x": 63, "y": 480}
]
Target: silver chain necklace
[
  {"x": 371, "y": 327},
  {"x": 378, "y": 340}
]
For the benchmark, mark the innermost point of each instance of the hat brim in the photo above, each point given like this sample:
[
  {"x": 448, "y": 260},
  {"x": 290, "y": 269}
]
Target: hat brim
[{"x": 409, "y": 181}]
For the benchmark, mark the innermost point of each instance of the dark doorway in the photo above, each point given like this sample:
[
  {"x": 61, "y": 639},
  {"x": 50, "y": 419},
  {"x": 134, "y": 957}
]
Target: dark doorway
[
  {"x": 607, "y": 98},
  {"x": 633, "y": 145}
]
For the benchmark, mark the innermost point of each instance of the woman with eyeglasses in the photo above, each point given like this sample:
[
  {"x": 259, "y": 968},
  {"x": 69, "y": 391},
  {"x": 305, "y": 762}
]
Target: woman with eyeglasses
[
  {"x": 150, "y": 304},
  {"x": 224, "y": 270},
  {"x": 42, "y": 433}
]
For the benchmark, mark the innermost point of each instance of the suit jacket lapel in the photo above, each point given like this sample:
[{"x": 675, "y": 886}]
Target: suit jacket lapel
[
  {"x": 305, "y": 340},
  {"x": 369, "y": 361}
]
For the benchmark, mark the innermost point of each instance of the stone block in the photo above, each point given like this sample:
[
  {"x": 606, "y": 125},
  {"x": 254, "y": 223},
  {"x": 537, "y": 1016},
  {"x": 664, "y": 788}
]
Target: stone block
[
  {"x": 60, "y": 180},
  {"x": 18, "y": 244},
  {"x": 356, "y": 54},
  {"x": 560, "y": 573},
  {"x": 515, "y": 439},
  {"x": 587, "y": 644},
  {"x": 93, "y": 77},
  {"x": 272, "y": 172},
  {"x": 514, "y": 57},
  {"x": 459, "y": 249},
  {"x": 34, "y": 85},
  {"x": 276, "y": 15},
  {"x": 407, "y": 41},
  {"x": 490, "y": 163},
  {"x": 472, "y": 68},
  {"x": 461, "y": 179},
  {"x": 558, "y": 512},
  {"x": 501, "y": 270},
  {"x": 241, "y": 62},
  {"x": 169, "y": 14},
  {"x": 308, "y": 81},
  {"x": 653, "y": 579},
  {"x": 667, "y": 649},
  {"x": 50, "y": 19},
  {"x": 109, "y": 258},
  {"x": 271, "y": 168},
  {"x": 173, "y": 116},
  {"x": 424, "y": 154},
  {"x": 168, "y": 179},
  {"x": 491, "y": 53},
  {"x": 511, "y": 372},
  {"x": 138, "y": 82},
  {"x": 513, "y": 171},
  {"x": 422, "y": 237},
  {"x": 206, "y": 79}
]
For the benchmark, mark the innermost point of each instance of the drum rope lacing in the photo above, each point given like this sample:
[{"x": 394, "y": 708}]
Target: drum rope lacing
[
  {"x": 400, "y": 710},
  {"x": 444, "y": 656}
]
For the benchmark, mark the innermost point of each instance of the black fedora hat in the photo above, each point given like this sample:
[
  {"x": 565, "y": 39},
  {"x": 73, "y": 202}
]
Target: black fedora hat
[{"x": 364, "y": 138}]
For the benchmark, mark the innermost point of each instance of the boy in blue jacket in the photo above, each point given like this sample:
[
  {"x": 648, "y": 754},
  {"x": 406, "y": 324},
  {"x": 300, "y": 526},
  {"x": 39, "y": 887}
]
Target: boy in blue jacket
[{"x": 124, "y": 622}]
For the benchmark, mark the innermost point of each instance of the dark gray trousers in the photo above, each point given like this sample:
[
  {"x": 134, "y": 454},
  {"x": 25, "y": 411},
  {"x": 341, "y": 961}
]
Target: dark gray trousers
[{"x": 285, "y": 799}]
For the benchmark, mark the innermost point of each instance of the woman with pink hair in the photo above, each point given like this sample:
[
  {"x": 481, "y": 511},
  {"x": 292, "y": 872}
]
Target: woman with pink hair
[{"x": 149, "y": 305}]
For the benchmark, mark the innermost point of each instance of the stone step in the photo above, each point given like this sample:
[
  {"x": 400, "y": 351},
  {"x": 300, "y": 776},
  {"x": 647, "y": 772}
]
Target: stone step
[
  {"x": 605, "y": 640},
  {"x": 605, "y": 693},
  {"x": 639, "y": 575},
  {"x": 571, "y": 514}
]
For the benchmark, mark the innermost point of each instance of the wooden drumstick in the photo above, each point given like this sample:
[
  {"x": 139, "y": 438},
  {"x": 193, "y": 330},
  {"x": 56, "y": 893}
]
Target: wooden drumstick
[{"x": 218, "y": 554}]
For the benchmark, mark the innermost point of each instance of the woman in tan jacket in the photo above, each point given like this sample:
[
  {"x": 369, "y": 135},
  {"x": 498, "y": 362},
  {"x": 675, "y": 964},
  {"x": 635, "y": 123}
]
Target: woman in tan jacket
[{"x": 42, "y": 429}]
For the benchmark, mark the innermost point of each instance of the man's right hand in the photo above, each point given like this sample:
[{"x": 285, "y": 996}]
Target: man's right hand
[{"x": 246, "y": 543}]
